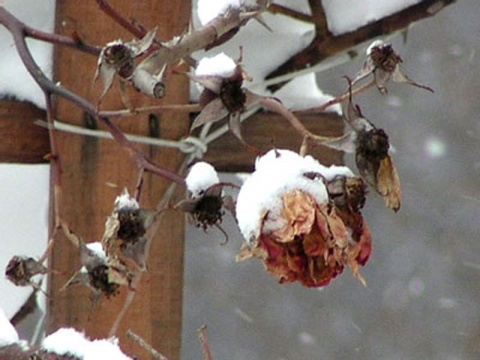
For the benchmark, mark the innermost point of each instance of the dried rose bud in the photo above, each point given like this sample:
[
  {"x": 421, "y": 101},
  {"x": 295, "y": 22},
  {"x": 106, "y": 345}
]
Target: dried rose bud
[
  {"x": 372, "y": 157},
  {"x": 384, "y": 63},
  {"x": 290, "y": 222},
  {"x": 206, "y": 201},
  {"x": 125, "y": 227},
  {"x": 21, "y": 269},
  {"x": 117, "y": 58},
  {"x": 223, "y": 96},
  {"x": 102, "y": 275}
]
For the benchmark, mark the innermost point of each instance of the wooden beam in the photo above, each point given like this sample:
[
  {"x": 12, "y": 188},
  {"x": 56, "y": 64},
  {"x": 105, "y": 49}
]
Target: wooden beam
[
  {"x": 267, "y": 131},
  {"x": 95, "y": 171},
  {"x": 21, "y": 141}
]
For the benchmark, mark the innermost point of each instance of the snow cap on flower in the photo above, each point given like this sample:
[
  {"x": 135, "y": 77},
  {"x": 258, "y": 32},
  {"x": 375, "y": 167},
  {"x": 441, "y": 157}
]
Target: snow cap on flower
[
  {"x": 201, "y": 176},
  {"x": 276, "y": 173},
  {"x": 220, "y": 65},
  {"x": 125, "y": 201}
]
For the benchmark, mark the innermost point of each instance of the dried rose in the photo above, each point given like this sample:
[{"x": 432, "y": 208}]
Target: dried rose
[
  {"x": 102, "y": 275},
  {"x": 372, "y": 157},
  {"x": 223, "y": 96},
  {"x": 291, "y": 222},
  {"x": 117, "y": 58},
  {"x": 21, "y": 269},
  {"x": 384, "y": 63},
  {"x": 126, "y": 227}
]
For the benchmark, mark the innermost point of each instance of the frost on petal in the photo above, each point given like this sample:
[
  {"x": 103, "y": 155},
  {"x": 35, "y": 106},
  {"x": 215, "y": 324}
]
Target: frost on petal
[{"x": 201, "y": 176}]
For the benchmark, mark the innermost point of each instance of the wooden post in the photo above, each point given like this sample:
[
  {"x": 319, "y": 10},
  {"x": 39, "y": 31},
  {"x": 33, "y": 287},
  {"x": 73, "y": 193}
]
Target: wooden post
[
  {"x": 21, "y": 140},
  {"x": 96, "y": 171}
]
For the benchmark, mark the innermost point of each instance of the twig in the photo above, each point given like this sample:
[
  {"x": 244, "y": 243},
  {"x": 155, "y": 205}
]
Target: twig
[
  {"x": 207, "y": 36},
  {"x": 108, "y": 9},
  {"x": 202, "y": 335},
  {"x": 339, "y": 99},
  {"x": 277, "y": 107},
  {"x": 75, "y": 43},
  {"x": 280, "y": 9},
  {"x": 140, "y": 341},
  {"x": 151, "y": 233},
  {"x": 189, "y": 108}
]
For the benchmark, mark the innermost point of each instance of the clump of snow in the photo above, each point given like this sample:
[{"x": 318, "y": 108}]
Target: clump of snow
[
  {"x": 97, "y": 249},
  {"x": 68, "y": 341},
  {"x": 220, "y": 64},
  {"x": 8, "y": 334},
  {"x": 303, "y": 93},
  {"x": 104, "y": 349},
  {"x": 16, "y": 80},
  {"x": 348, "y": 15},
  {"x": 276, "y": 173},
  {"x": 126, "y": 202},
  {"x": 201, "y": 176},
  {"x": 208, "y": 10}
]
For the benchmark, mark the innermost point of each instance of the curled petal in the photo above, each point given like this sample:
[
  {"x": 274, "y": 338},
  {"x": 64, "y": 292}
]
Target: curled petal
[
  {"x": 388, "y": 183},
  {"x": 138, "y": 47},
  {"x": 212, "y": 112}
]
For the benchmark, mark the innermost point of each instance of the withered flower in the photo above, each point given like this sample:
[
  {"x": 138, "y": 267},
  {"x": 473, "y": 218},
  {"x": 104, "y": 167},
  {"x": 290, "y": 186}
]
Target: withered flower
[
  {"x": 117, "y": 58},
  {"x": 372, "y": 157},
  {"x": 384, "y": 63},
  {"x": 291, "y": 221},
  {"x": 125, "y": 229},
  {"x": 21, "y": 269},
  {"x": 102, "y": 275},
  {"x": 223, "y": 96},
  {"x": 206, "y": 202}
]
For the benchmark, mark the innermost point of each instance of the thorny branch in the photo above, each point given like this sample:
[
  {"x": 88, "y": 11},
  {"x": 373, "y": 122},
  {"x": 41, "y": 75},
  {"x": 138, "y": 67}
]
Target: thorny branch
[
  {"x": 17, "y": 30},
  {"x": 325, "y": 44}
]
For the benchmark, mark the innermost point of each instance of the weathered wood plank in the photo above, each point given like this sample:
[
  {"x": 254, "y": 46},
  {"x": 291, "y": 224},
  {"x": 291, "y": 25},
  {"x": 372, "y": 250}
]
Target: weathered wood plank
[
  {"x": 21, "y": 141},
  {"x": 95, "y": 171},
  {"x": 267, "y": 131}
]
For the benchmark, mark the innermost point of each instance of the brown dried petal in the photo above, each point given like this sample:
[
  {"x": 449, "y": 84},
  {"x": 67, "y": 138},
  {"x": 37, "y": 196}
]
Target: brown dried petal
[
  {"x": 385, "y": 58},
  {"x": 313, "y": 246},
  {"x": 389, "y": 183},
  {"x": 20, "y": 270},
  {"x": 212, "y": 112}
]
